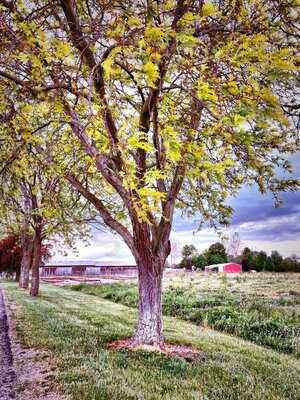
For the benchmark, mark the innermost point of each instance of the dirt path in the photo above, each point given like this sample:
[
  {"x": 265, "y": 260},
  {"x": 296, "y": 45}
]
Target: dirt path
[{"x": 7, "y": 373}]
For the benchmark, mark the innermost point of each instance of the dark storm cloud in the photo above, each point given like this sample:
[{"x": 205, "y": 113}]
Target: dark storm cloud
[
  {"x": 250, "y": 205},
  {"x": 255, "y": 216}
]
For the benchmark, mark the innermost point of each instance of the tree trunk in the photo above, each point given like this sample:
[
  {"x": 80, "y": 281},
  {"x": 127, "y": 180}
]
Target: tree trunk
[
  {"x": 25, "y": 262},
  {"x": 150, "y": 324},
  {"x": 36, "y": 261},
  {"x": 18, "y": 275}
]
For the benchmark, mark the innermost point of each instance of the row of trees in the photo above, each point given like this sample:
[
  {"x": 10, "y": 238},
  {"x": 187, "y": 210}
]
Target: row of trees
[
  {"x": 125, "y": 110},
  {"x": 250, "y": 260},
  {"x": 215, "y": 254},
  {"x": 260, "y": 261},
  {"x": 11, "y": 254}
]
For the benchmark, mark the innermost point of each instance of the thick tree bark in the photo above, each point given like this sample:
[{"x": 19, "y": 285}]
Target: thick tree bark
[
  {"x": 26, "y": 261},
  {"x": 36, "y": 261},
  {"x": 150, "y": 325}
]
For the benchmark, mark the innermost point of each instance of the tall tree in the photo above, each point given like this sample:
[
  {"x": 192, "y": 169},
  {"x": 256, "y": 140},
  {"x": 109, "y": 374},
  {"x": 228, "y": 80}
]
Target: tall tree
[
  {"x": 175, "y": 104},
  {"x": 260, "y": 261},
  {"x": 35, "y": 201},
  {"x": 247, "y": 259},
  {"x": 215, "y": 254},
  {"x": 234, "y": 246},
  {"x": 276, "y": 259}
]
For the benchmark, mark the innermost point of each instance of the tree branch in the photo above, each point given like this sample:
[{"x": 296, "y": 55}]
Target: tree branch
[{"x": 105, "y": 215}]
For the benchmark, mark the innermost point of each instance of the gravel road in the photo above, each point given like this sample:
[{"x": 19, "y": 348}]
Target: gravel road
[{"x": 7, "y": 373}]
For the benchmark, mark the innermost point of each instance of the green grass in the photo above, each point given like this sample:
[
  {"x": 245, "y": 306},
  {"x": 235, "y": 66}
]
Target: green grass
[
  {"x": 74, "y": 329},
  {"x": 263, "y": 316}
]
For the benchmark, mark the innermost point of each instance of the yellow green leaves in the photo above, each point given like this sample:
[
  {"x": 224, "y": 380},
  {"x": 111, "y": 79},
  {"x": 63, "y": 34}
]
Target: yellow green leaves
[
  {"x": 231, "y": 87},
  {"x": 108, "y": 63},
  {"x": 205, "y": 92},
  {"x": 208, "y": 9},
  {"x": 63, "y": 49},
  {"x": 188, "y": 41},
  {"x": 238, "y": 120},
  {"x": 153, "y": 175},
  {"x": 171, "y": 143},
  {"x": 268, "y": 97},
  {"x": 151, "y": 73},
  {"x": 147, "y": 192},
  {"x": 139, "y": 141},
  {"x": 153, "y": 33},
  {"x": 173, "y": 150},
  {"x": 134, "y": 21}
]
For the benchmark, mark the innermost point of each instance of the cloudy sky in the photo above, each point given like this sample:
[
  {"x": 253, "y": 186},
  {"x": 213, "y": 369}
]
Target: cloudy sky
[{"x": 260, "y": 225}]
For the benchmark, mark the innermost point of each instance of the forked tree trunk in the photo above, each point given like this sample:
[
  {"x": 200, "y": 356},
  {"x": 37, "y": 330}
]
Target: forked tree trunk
[
  {"x": 36, "y": 261},
  {"x": 150, "y": 325}
]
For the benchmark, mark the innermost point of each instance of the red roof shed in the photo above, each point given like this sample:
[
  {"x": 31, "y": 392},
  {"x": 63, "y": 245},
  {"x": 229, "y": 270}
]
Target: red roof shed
[{"x": 227, "y": 268}]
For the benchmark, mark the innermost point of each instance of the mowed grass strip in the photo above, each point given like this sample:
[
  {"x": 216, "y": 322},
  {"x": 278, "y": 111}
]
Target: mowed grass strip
[
  {"x": 75, "y": 328},
  {"x": 268, "y": 315}
]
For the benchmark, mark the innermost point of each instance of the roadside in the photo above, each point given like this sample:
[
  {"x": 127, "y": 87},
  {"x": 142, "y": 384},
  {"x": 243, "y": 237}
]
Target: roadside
[
  {"x": 7, "y": 373},
  {"x": 30, "y": 372}
]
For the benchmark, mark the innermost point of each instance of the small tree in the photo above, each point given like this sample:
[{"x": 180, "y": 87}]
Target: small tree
[
  {"x": 276, "y": 260},
  {"x": 247, "y": 259},
  {"x": 188, "y": 254}
]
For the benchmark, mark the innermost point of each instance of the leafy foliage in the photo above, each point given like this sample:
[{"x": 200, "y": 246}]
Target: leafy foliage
[
  {"x": 260, "y": 261},
  {"x": 215, "y": 254},
  {"x": 201, "y": 95},
  {"x": 10, "y": 255}
]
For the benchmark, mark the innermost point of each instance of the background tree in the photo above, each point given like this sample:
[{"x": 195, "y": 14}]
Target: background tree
[
  {"x": 290, "y": 264},
  {"x": 234, "y": 246},
  {"x": 260, "y": 261},
  {"x": 189, "y": 252},
  {"x": 276, "y": 260},
  {"x": 247, "y": 260},
  {"x": 215, "y": 254},
  {"x": 199, "y": 261},
  {"x": 175, "y": 104},
  {"x": 35, "y": 201},
  {"x": 269, "y": 265},
  {"x": 10, "y": 255}
]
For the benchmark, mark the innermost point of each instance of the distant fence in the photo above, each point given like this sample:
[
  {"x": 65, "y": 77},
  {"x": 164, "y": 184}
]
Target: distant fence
[{"x": 87, "y": 270}]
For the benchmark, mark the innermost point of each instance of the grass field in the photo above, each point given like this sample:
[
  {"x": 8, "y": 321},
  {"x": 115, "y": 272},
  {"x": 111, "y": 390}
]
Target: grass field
[
  {"x": 74, "y": 328},
  {"x": 262, "y": 308}
]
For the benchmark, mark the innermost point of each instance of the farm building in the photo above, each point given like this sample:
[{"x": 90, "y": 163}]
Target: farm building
[
  {"x": 227, "y": 268},
  {"x": 87, "y": 270}
]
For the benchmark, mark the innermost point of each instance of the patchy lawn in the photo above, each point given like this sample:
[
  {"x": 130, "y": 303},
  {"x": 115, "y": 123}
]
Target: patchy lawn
[
  {"x": 262, "y": 308},
  {"x": 74, "y": 329}
]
